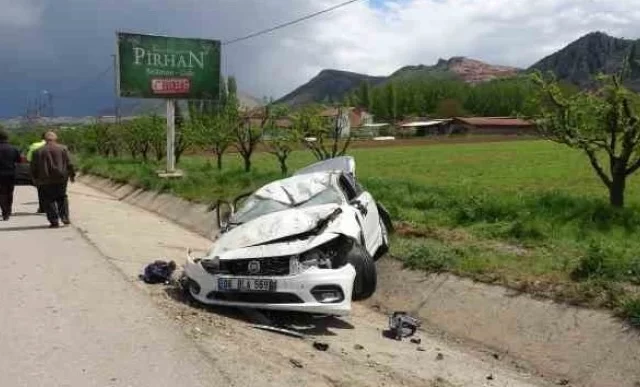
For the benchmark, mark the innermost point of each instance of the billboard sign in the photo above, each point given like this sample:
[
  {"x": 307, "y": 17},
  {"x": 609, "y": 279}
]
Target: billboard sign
[{"x": 152, "y": 66}]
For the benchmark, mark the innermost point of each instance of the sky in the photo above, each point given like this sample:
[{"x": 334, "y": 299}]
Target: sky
[{"x": 65, "y": 46}]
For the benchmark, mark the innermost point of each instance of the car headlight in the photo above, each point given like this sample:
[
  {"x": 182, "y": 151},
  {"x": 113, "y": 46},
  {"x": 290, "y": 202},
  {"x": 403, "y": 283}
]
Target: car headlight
[{"x": 330, "y": 255}]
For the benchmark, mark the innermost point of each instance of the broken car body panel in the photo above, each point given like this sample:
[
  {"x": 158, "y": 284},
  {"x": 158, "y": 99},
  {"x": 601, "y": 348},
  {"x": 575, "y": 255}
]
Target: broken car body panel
[{"x": 286, "y": 247}]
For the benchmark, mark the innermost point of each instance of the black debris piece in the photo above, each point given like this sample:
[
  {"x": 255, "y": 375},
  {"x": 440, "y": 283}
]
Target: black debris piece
[
  {"x": 320, "y": 346},
  {"x": 439, "y": 356},
  {"x": 358, "y": 347},
  {"x": 420, "y": 349},
  {"x": 496, "y": 356},
  {"x": 296, "y": 363},
  {"x": 490, "y": 377},
  {"x": 158, "y": 272},
  {"x": 565, "y": 382},
  {"x": 416, "y": 340}
]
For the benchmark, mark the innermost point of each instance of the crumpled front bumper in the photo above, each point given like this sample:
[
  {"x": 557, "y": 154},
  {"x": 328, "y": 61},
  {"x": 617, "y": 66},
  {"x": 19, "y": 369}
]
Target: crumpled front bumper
[{"x": 299, "y": 285}]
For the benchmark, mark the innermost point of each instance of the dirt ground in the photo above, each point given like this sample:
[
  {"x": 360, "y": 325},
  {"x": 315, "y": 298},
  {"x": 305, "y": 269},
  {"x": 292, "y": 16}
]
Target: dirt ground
[{"x": 358, "y": 353}]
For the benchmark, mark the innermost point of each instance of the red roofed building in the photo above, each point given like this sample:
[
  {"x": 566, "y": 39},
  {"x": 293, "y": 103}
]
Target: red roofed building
[{"x": 492, "y": 125}]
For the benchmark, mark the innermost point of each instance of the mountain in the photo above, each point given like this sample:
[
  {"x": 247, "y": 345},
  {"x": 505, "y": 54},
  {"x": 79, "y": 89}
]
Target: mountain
[
  {"x": 590, "y": 55},
  {"x": 327, "y": 86},
  {"x": 332, "y": 85}
]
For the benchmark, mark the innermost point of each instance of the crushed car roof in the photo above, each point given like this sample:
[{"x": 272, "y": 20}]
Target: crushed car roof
[
  {"x": 296, "y": 189},
  {"x": 343, "y": 164}
]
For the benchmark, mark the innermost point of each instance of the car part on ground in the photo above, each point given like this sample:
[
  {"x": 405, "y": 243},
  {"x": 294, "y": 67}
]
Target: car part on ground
[
  {"x": 307, "y": 243},
  {"x": 402, "y": 325}
]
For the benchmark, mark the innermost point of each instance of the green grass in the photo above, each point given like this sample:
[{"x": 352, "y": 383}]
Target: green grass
[{"x": 531, "y": 215}]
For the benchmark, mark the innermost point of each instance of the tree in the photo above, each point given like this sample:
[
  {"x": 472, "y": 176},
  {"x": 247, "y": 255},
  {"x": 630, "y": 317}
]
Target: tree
[
  {"x": 328, "y": 142},
  {"x": 600, "y": 123},
  {"x": 138, "y": 135},
  {"x": 215, "y": 132},
  {"x": 282, "y": 141},
  {"x": 392, "y": 101},
  {"x": 158, "y": 137},
  {"x": 186, "y": 135},
  {"x": 449, "y": 108},
  {"x": 364, "y": 95},
  {"x": 247, "y": 136}
]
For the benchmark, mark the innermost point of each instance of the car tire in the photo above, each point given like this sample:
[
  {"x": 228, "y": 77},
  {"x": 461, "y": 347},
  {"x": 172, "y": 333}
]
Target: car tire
[{"x": 364, "y": 285}]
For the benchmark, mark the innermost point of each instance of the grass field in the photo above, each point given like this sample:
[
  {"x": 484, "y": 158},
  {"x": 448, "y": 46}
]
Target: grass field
[{"x": 529, "y": 214}]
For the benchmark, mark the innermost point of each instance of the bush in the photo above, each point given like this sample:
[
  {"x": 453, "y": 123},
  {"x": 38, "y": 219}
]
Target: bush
[
  {"x": 433, "y": 257},
  {"x": 631, "y": 311}
]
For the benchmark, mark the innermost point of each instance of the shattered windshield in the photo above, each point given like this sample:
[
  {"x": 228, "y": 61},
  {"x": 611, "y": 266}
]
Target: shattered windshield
[{"x": 289, "y": 193}]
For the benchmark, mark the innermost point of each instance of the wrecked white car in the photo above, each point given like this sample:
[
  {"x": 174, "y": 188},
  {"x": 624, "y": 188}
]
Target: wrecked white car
[{"x": 306, "y": 243}]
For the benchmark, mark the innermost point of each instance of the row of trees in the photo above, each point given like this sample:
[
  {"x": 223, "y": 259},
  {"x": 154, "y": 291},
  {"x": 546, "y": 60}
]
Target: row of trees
[
  {"x": 446, "y": 98},
  {"x": 213, "y": 128}
]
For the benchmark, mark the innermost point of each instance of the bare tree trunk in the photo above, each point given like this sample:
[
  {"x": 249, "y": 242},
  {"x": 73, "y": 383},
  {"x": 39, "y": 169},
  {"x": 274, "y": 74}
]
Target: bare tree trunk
[
  {"x": 219, "y": 157},
  {"x": 247, "y": 162},
  {"x": 616, "y": 190},
  {"x": 283, "y": 165}
]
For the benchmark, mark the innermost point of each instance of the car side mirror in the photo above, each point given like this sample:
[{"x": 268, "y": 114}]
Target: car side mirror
[{"x": 224, "y": 211}]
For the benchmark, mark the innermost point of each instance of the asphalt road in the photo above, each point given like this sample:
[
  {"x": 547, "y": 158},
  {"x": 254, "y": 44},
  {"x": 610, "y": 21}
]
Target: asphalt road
[{"x": 68, "y": 318}]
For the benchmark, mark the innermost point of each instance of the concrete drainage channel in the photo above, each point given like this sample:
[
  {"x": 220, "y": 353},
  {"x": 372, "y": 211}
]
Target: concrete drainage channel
[{"x": 585, "y": 347}]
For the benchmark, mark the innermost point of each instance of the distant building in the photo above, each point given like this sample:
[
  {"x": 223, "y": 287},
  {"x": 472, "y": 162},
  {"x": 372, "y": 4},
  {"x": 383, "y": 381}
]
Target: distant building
[
  {"x": 423, "y": 127},
  {"x": 492, "y": 125},
  {"x": 348, "y": 118}
]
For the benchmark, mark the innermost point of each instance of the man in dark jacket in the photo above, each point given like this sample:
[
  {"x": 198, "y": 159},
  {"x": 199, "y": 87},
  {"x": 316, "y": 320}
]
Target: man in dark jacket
[
  {"x": 9, "y": 157},
  {"x": 51, "y": 168}
]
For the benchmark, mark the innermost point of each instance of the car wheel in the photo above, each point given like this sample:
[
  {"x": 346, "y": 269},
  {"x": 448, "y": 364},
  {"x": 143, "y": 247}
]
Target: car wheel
[
  {"x": 366, "y": 279},
  {"x": 384, "y": 247}
]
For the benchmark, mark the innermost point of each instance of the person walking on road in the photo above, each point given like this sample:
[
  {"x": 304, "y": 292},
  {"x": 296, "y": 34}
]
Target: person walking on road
[
  {"x": 9, "y": 157},
  {"x": 51, "y": 169},
  {"x": 32, "y": 148}
]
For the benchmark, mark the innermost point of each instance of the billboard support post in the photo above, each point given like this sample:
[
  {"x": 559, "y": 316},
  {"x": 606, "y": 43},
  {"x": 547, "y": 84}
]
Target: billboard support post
[{"x": 171, "y": 136}]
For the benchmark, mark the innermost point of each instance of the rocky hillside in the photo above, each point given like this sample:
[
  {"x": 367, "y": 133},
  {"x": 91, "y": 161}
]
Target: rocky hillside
[
  {"x": 592, "y": 54},
  {"x": 466, "y": 69},
  {"x": 332, "y": 85}
]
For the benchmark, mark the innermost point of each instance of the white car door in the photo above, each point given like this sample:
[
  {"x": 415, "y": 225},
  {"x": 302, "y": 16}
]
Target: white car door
[{"x": 367, "y": 213}]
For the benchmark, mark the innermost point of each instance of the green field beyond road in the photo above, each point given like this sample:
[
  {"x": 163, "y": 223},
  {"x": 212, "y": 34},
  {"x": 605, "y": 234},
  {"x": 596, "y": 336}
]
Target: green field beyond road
[{"x": 530, "y": 215}]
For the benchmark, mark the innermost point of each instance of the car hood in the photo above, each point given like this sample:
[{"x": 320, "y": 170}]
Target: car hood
[{"x": 272, "y": 227}]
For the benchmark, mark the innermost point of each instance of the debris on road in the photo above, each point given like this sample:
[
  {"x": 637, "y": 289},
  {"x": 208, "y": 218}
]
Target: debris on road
[
  {"x": 439, "y": 356},
  {"x": 401, "y": 325},
  {"x": 287, "y": 332},
  {"x": 358, "y": 347},
  {"x": 565, "y": 382},
  {"x": 416, "y": 340},
  {"x": 296, "y": 363},
  {"x": 420, "y": 349},
  {"x": 320, "y": 346},
  {"x": 158, "y": 272},
  {"x": 490, "y": 377}
]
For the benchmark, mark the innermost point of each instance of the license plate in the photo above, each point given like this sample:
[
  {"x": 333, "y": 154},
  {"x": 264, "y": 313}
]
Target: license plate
[{"x": 246, "y": 285}]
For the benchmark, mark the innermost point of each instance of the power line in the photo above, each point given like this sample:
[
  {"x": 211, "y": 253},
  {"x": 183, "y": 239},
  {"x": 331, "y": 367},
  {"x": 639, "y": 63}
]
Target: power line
[{"x": 283, "y": 25}]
